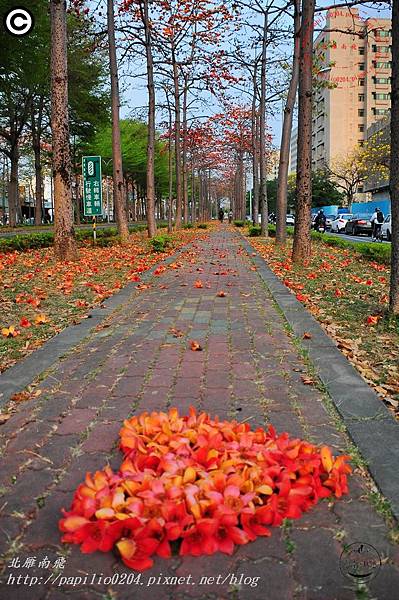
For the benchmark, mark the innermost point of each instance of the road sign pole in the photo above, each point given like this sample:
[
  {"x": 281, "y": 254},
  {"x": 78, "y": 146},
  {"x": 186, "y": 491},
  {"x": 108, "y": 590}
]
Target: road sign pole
[{"x": 94, "y": 230}]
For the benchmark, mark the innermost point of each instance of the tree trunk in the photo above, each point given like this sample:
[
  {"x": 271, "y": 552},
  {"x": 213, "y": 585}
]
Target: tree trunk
[
  {"x": 38, "y": 185},
  {"x": 64, "y": 236},
  {"x": 255, "y": 155},
  {"x": 77, "y": 199},
  {"x": 394, "y": 166},
  {"x": 170, "y": 174},
  {"x": 151, "y": 222},
  {"x": 36, "y": 127},
  {"x": 13, "y": 196},
  {"x": 262, "y": 135},
  {"x": 184, "y": 155},
  {"x": 177, "y": 143},
  {"x": 193, "y": 214},
  {"x": 282, "y": 182},
  {"x": 302, "y": 239},
  {"x": 119, "y": 192}
]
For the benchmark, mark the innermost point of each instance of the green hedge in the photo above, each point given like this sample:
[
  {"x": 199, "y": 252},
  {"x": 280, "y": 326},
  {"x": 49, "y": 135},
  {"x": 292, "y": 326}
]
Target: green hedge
[
  {"x": 105, "y": 237},
  {"x": 378, "y": 252},
  {"x": 239, "y": 223},
  {"x": 202, "y": 226},
  {"x": 254, "y": 230},
  {"x": 160, "y": 242}
]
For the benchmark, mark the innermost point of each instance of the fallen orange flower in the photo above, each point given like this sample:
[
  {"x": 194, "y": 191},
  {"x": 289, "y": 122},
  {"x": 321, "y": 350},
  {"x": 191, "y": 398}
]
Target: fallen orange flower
[
  {"x": 24, "y": 322},
  {"x": 195, "y": 346},
  {"x": 373, "y": 319},
  {"x": 10, "y": 331},
  {"x": 207, "y": 485},
  {"x": 41, "y": 319}
]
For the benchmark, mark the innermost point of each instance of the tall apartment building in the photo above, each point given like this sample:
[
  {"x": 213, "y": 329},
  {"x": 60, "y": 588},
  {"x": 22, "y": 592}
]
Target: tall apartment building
[
  {"x": 358, "y": 64},
  {"x": 272, "y": 165}
]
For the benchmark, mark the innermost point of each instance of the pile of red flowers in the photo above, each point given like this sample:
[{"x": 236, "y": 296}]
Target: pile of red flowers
[{"x": 202, "y": 483}]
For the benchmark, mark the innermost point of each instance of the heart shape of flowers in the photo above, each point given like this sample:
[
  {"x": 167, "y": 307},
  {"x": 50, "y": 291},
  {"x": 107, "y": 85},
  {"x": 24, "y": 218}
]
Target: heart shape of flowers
[{"x": 197, "y": 484}]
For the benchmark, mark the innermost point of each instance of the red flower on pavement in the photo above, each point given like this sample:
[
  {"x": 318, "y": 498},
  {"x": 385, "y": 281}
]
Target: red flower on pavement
[
  {"x": 200, "y": 538},
  {"x": 205, "y": 484}
]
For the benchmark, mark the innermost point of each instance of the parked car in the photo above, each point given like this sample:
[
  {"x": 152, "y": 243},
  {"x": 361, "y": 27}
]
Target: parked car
[
  {"x": 339, "y": 222},
  {"x": 386, "y": 229},
  {"x": 290, "y": 220},
  {"x": 359, "y": 224},
  {"x": 329, "y": 220}
]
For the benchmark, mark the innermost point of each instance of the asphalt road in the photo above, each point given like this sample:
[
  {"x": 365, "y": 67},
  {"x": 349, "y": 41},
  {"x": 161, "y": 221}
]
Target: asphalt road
[{"x": 354, "y": 238}]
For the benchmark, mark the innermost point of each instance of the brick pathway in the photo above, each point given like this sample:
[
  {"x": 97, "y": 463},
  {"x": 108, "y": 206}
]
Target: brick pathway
[{"x": 250, "y": 368}]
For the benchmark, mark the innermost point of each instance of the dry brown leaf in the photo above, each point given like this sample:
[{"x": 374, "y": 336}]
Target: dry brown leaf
[
  {"x": 4, "y": 418},
  {"x": 307, "y": 335},
  {"x": 307, "y": 380},
  {"x": 176, "y": 332}
]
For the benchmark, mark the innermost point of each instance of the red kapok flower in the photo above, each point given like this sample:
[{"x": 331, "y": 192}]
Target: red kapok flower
[{"x": 200, "y": 538}]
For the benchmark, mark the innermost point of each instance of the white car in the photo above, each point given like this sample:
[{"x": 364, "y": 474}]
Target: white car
[
  {"x": 386, "y": 229},
  {"x": 329, "y": 220},
  {"x": 338, "y": 224},
  {"x": 290, "y": 220}
]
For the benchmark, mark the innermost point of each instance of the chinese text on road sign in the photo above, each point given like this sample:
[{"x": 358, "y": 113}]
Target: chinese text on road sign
[{"x": 92, "y": 188}]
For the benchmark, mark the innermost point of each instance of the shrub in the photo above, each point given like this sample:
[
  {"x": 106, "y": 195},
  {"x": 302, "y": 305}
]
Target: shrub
[
  {"x": 105, "y": 241},
  {"x": 254, "y": 230},
  {"x": 26, "y": 242},
  {"x": 188, "y": 226},
  {"x": 202, "y": 226},
  {"x": 159, "y": 243},
  {"x": 239, "y": 223},
  {"x": 371, "y": 250}
]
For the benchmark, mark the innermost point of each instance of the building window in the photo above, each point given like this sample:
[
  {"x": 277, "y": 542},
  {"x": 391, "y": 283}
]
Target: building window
[
  {"x": 361, "y": 82},
  {"x": 381, "y": 96},
  {"x": 361, "y": 66},
  {"x": 361, "y": 50},
  {"x": 360, "y": 112},
  {"x": 382, "y": 49},
  {"x": 382, "y": 80},
  {"x": 361, "y": 97},
  {"x": 360, "y": 142},
  {"x": 360, "y": 189},
  {"x": 382, "y": 33},
  {"x": 379, "y": 111},
  {"x": 361, "y": 128},
  {"x": 381, "y": 65}
]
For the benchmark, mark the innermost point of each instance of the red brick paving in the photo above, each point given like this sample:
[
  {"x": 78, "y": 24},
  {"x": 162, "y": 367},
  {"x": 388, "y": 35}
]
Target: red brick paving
[{"x": 245, "y": 371}]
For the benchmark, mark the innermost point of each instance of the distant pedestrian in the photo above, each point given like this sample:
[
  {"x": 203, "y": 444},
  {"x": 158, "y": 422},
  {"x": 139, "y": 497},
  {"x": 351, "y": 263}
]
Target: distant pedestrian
[
  {"x": 221, "y": 215},
  {"x": 230, "y": 216},
  {"x": 376, "y": 220}
]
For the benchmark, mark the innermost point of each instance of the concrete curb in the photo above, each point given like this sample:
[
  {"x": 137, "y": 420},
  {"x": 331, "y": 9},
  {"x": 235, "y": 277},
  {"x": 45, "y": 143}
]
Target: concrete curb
[
  {"x": 368, "y": 421},
  {"x": 17, "y": 377}
]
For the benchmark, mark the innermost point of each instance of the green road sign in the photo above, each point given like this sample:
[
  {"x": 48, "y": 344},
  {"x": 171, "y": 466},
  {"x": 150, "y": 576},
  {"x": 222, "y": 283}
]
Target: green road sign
[{"x": 92, "y": 186}]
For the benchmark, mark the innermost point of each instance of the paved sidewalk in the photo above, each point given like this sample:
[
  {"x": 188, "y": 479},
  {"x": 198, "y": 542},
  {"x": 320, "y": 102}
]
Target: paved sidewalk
[{"x": 250, "y": 368}]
